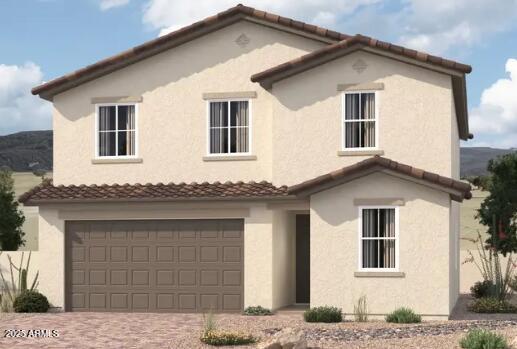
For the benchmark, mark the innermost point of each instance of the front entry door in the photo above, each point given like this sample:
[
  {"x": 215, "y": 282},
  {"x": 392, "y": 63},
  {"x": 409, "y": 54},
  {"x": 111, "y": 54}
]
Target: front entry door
[{"x": 303, "y": 262}]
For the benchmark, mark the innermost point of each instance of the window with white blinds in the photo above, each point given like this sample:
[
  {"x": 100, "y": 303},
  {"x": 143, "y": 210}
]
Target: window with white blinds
[
  {"x": 378, "y": 238},
  {"x": 116, "y": 131},
  {"x": 229, "y": 127},
  {"x": 360, "y": 120}
]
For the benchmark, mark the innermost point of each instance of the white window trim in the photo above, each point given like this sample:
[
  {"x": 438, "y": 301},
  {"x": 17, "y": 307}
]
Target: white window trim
[
  {"x": 250, "y": 127},
  {"x": 96, "y": 150},
  {"x": 360, "y": 239},
  {"x": 376, "y": 120}
]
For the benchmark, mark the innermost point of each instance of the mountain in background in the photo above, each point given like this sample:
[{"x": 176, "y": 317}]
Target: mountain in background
[
  {"x": 27, "y": 151},
  {"x": 474, "y": 160}
]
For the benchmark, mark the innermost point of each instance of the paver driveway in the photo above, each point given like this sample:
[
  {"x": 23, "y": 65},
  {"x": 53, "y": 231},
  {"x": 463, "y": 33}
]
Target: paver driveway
[{"x": 103, "y": 330}]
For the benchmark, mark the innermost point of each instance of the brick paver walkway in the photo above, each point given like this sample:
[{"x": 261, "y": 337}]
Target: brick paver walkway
[{"x": 100, "y": 330}]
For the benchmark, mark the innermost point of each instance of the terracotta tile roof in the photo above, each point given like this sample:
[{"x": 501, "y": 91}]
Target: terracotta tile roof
[
  {"x": 458, "y": 190},
  {"x": 48, "y": 193},
  {"x": 358, "y": 40},
  {"x": 267, "y": 77},
  {"x": 176, "y": 38}
]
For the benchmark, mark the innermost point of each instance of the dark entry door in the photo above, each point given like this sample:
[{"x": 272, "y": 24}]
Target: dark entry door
[{"x": 303, "y": 262}]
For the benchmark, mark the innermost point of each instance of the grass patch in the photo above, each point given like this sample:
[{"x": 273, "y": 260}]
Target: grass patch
[
  {"x": 403, "y": 316},
  {"x": 483, "y": 339},
  {"x": 490, "y": 305},
  {"x": 323, "y": 314},
  {"x": 257, "y": 311}
]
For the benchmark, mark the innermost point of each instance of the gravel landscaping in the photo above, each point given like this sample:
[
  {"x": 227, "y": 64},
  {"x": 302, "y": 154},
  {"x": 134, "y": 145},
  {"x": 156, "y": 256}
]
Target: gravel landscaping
[
  {"x": 177, "y": 331},
  {"x": 355, "y": 334}
]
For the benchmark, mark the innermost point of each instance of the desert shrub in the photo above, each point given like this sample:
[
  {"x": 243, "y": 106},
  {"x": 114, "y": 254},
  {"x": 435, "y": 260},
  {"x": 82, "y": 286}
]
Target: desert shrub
[
  {"x": 403, "y": 316},
  {"x": 257, "y": 311},
  {"x": 323, "y": 314},
  {"x": 219, "y": 338},
  {"x": 211, "y": 335},
  {"x": 483, "y": 339},
  {"x": 31, "y": 302},
  {"x": 491, "y": 305},
  {"x": 482, "y": 289},
  {"x": 361, "y": 310}
]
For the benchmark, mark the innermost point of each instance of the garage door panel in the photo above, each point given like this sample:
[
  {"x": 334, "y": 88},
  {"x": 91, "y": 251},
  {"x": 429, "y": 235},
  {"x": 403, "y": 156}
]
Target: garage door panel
[{"x": 157, "y": 266}]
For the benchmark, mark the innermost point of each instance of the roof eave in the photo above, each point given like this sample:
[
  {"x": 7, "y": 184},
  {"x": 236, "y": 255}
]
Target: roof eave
[
  {"x": 49, "y": 89},
  {"x": 37, "y": 202}
]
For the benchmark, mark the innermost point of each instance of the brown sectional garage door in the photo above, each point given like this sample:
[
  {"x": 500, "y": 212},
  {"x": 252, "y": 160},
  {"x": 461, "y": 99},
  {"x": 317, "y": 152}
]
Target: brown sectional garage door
[{"x": 155, "y": 266}]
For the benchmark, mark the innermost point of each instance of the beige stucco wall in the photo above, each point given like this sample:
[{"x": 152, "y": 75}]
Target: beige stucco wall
[
  {"x": 51, "y": 256},
  {"x": 454, "y": 253},
  {"x": 424, "y": 248},
  {"x": 415, "y": 124},
  {"x": 172, "y": 119},
  {"x": 284, "y": 258}
]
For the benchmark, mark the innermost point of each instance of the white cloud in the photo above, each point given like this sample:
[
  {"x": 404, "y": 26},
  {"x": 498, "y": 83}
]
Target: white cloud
[
  {"x": 437, "y": 26},
  {"x": 168, "y": 15},
  {"x": 19, "y": 109},
  {"x": 432, "y": 26},
  {"x": 494, "y": 121},
  {"x": 109, "y": 4}
]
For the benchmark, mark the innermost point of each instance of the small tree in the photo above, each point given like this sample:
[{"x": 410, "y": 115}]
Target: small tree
[
  {"x": 498, "y": 211},
  {"x": 11, "y": 218}
]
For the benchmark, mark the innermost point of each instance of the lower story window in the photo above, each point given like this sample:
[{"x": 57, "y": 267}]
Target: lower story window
[{"x": 378, "y": 238}]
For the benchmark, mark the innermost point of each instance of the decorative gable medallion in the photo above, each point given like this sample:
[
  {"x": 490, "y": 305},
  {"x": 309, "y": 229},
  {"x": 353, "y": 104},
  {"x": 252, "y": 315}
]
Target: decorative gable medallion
[
  {"x": 242, "y": 40},
  {"x": 359, "y": 66}
]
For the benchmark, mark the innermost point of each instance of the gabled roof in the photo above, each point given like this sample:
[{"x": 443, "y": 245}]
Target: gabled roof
[
  {"x": 49, "y": 89},
  {"x": 356, "y": 41},
  {"x": 47, "y": 193},
  {"x": 351, "y": 44},
  {"x": 458, "y": 190}
]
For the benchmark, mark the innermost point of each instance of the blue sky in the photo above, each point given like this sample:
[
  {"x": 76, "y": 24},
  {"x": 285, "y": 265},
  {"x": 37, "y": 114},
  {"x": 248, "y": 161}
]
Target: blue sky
[{"x": 44, "y": 39}]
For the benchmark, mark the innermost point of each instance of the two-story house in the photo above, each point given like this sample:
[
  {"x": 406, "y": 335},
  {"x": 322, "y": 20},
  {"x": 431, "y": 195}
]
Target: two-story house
[{"x": 252, "y": 159}]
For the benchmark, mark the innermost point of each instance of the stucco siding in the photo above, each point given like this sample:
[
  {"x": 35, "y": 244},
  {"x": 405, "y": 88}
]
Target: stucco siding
[
  {"x": 424, "y": 248},
  {"x": 172, "y": 117},
  {"x": 454, "y": 253},
  {"x": 284, "y": 262},
  {"x": 414, "y": 117},
  {"x": 51, "y": 256}
]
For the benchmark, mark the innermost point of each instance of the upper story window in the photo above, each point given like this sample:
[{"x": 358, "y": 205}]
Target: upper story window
[
  {"x": 229, "y": 127},
  {"x": 359, "y": 120},
  {"x": 378, "y": 237},
  {"x": 116, "y": 130}
]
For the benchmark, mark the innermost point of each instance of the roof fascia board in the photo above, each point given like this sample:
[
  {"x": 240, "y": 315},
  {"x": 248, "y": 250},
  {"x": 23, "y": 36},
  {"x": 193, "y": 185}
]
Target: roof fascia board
[
  {"x": 291, "y": 30},
  {"x": 455, "y": 194},
  {"x": 141, "y": 55},
  {"x": 37, "y": 202}
]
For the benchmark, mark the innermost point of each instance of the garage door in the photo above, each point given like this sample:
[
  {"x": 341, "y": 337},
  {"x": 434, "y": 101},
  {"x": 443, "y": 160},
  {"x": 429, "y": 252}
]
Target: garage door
[{"x": 154, "y": 266}]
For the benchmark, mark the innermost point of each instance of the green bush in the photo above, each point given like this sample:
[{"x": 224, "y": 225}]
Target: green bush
[
  {"x": 403, "y": 316},
  {"x": 483, "y": 339},
  {"x": 219, "y": 338},
  {"x": 323, "y": 314},
  {"x": 482, "y": 289},
  {"x": 31, "y": 302},
  {"x": 257, "y": 311},
  {"x": 491, "y": 305}
]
